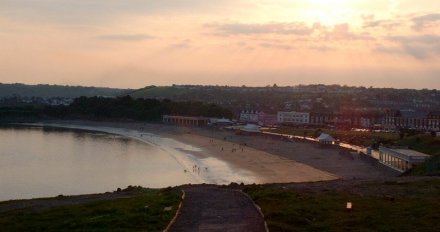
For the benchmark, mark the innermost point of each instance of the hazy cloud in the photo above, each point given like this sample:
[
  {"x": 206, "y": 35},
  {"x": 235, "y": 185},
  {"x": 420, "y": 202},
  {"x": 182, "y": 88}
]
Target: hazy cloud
[
  {"x": 421, "y": 21},
  {"x": 420, "y": 47},
  {"x": 343, "y": 32},
  {"x": 276, "y": 46},
  {"x": 183, "y": 44},
  {"x": 103, "y": 11},
  {"x": 124, "y": 37},
  {"x": 386, "y": 24},
  {"x": 292, "y": 28}
]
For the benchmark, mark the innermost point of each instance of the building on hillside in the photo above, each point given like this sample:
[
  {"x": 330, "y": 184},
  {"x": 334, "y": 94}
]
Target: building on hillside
[
  {"x": 321, "y": 118},
  {"x": 185, "y": 120},
  {"x": 434, "y": 120},
  {"x": 267, "y": 119},
  {"x": 293, "y": 117},
  {"x": 249, "y": 116},
  {"x": 410, "y": 119},
  {"x": 401, "y": 159}
]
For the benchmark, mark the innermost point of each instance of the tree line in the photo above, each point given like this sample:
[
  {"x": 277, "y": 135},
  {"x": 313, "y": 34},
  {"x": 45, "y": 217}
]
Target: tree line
[{"x": 120, "y": 108}]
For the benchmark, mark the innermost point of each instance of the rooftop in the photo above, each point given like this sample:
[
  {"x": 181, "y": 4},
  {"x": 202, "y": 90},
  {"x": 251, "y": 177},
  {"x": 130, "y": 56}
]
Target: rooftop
[
  {"x": 406, "y": 152},
  {"x": 411, "y": 153}
]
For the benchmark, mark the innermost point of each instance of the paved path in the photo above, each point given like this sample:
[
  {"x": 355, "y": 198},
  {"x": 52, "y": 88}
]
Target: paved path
[{"x": 210, "y": 208}]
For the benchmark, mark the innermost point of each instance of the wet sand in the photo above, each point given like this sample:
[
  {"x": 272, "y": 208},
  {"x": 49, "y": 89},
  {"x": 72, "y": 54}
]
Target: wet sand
[{"x": 251, "y": 165}]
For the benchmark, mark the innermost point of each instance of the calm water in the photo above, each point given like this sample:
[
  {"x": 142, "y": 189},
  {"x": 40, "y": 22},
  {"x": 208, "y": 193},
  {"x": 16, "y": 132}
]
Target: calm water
[{"x": 37, "y": 162}]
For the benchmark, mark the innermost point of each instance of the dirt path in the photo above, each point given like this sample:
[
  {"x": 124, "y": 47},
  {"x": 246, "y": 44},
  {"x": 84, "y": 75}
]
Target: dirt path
[{"x": 211, "y": 208}]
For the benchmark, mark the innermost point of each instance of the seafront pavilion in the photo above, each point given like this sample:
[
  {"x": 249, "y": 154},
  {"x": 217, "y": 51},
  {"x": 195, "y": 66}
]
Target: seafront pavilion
[
  {"x": 401, "y": 159},
  {"x": 185, "y": 120}
]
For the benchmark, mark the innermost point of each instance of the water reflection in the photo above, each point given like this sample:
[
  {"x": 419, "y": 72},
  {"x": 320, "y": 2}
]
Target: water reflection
[{"x": 44, "y": 162}]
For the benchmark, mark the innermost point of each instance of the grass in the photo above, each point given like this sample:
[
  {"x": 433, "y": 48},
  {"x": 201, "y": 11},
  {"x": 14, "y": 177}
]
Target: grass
[
  {"x": 293, "y": 210},
  {"x": 141, "y": 212}
]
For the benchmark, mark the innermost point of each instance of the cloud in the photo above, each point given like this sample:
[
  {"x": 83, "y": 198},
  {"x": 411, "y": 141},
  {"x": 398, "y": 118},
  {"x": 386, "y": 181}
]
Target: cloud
[
  {"x": 321, "y": 48},
  {"x": 386, "y": 24},
  {"x": 276, "y": 46},
  {"x": 420, "y": 47},
  {"x": 292, "y": 28},
  {"x": 124, "y": 37},
  {"x": 183, "y": 44},
  {"x": 343, "y": 32},
  {"x": 421, "y": 22},
  {"x": 102, "y": 11}
]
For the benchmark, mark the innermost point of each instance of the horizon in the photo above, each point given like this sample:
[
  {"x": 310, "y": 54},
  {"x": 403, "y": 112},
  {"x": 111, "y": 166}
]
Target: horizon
[
  {"x": 228, "y": 86},
  {"x": 133, "y": 44}
]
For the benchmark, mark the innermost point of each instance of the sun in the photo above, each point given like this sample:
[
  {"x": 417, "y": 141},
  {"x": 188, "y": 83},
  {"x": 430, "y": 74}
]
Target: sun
[
  {"x": 330, "y": 11},
  {"x": 331, "y": 2}
]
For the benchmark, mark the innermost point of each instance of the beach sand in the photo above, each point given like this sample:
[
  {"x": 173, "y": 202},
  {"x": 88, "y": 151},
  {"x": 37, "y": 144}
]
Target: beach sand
[
  {"x": 267, "y": 167},
  {"x": 262, "y": 164}
]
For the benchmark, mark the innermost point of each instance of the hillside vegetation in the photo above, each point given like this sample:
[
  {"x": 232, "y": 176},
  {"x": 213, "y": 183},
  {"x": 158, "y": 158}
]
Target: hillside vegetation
[
  {"x": 56, "y": 91},
  {"x": 142, "y": 210},
  {"x": 120, "y": 108}
]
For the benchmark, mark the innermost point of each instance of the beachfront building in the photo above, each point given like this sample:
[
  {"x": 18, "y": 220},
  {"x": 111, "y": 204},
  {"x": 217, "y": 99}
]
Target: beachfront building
[
  {"x": 185, "y": 120},
  {"x": 267, "y": 119},
  {"x": 293, "y": 117},
  {"x": 220, "y": 122},
  {"x": 326, "y": 139},
  {"x": 249, "y": 116},
  {"x": 321, "y": 118},
  {"x": 401, "y": 159},
  {"x": 250, "y": 128}
]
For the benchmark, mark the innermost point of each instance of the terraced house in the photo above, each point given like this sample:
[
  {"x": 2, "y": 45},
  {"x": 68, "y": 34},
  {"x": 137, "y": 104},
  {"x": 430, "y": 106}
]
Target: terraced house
[{"x": 411, "y": 119}]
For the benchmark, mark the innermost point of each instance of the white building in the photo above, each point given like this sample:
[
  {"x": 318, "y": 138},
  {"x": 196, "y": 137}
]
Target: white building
[
  {"x": 293, "y": 117},
  {"x": 249, "y": 116},
  {"x": 326, "y": 139},
  {"x": 401, "y": 159}
]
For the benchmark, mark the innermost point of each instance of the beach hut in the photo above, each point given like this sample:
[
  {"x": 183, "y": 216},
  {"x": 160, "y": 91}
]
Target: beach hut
[{"x": 326, "y": 139}]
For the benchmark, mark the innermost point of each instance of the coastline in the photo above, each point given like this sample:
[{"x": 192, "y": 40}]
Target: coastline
[{"x": 246, "y": 164}]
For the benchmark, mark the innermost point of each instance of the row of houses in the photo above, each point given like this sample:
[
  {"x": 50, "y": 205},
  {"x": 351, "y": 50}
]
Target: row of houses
[
  {"x": 392, "y": 120},
  {"x": 302, "y": 118},
  {"x": 397, "y": 119}
]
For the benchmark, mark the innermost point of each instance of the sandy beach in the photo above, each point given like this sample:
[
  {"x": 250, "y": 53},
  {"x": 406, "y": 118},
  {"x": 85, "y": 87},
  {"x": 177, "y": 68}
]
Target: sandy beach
[
  {"x": 252, "y": 165},
  {"x": 267, "y": 167}
]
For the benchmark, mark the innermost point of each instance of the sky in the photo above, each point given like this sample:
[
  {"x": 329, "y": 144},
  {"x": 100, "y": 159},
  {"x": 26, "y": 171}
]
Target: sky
[{"x": 136, "y": 43}]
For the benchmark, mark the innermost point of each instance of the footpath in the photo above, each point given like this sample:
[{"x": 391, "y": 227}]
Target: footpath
[{"x": 212, "y": 208}]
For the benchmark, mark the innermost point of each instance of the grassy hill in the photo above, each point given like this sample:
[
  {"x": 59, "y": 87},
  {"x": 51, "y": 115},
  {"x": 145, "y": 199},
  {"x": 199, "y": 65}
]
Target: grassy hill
[
  {"x": 57, "y": 91},
  {"x": 132, "y": 209},
  {"x": 377, "y": 206},
  {"x": 158, "y": 92}
]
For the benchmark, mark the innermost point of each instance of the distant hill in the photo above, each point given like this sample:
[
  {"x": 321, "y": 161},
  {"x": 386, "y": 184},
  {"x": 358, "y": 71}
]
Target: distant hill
[
  {"x": 309, "y": 98},
  {"x": 57, "y": 91},
  {"x": 159, "y": 92}
]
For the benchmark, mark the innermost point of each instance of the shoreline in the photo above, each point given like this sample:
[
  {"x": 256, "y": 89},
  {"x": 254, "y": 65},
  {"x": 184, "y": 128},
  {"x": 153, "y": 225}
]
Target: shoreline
[{"x": 258, "y": 166}]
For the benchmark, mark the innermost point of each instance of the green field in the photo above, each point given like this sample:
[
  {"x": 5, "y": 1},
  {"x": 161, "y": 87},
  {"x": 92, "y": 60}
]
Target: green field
[
  {"x": 143, "y": 211},
  {"x": 415, "y": 208}
]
